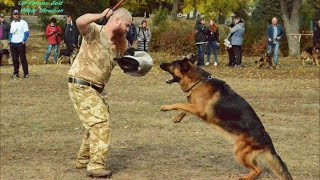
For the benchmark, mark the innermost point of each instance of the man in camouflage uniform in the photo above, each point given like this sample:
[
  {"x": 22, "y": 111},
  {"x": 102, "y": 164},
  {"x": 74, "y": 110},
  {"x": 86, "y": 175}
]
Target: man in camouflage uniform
[{"x": 88, "y": 74}]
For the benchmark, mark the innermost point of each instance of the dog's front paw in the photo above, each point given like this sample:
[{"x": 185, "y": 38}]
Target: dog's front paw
[
  {"x": 177, "y": 119},
  {"x": 166, "y": 108}
]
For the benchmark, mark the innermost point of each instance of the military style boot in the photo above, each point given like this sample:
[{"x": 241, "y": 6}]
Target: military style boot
[{"x": 99, "y": 172}]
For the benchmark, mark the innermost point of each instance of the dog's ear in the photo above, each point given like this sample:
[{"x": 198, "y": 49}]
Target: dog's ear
[
  {"x": 193, "y": 58},
  {"x": 268, "y": 55},
  {"x": 185, "y": 65},
  {"x": 260, "y": 60}
]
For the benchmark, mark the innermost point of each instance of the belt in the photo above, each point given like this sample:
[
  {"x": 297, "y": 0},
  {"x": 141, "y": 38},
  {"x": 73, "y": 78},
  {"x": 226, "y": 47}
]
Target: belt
[{"x": 86, "y": 83}]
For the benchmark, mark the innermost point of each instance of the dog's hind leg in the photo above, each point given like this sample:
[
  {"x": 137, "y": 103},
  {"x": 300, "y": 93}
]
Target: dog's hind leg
[
  {"x": 315, "y": 59},
  {"x": 179, "y": 117},
  {"x": 260, "y": 65},
  {"x": 246, "y": 155}
]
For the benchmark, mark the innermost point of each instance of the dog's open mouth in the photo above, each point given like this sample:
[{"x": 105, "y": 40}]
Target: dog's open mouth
[
  {"x": 165, "y": 67},
  {"x": 172, "y": 80}
]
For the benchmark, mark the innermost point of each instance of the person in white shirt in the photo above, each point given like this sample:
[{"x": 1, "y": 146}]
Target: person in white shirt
[{"x": 19, "y": 33}]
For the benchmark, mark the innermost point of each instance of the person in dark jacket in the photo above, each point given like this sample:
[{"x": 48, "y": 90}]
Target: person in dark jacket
[
  {"x": 53, "y": 33},
  {"x": 274, "y": 36},
  {"x": 200, "y": 39},
  {"x": 228, "y": 46},
  {"x": 237, "y": 32},
  {"x": 132, "y": 34},
  {"x": 316, "y": 34},
  {"x": 71, "y": 35},
  {"x": 4, "y": 39},
  {"x": 212, "y": 35}
]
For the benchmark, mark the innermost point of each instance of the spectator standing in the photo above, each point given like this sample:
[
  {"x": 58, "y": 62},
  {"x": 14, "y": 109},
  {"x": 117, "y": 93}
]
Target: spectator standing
[
  {"x": 4, "y": 39},
  {"x": 143, "y": 37},
  {"x": 200, "y": 39},
  {"x": 228, "y": 46},
  {"x": 132, "y": 34},
  {"x": 316, "y": 34},
  {"x": 236, "y": 34},
  {"x": 71, "y": 35},
  {"x": 274, "y": 35},
  {"x": 53, "y": 33},
  {"x": 19, "y": 33},
  {"x": 213, "y": 42}
]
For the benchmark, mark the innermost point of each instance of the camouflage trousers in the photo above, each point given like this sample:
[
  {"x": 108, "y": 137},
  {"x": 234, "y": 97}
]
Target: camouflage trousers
[
  {"x": 4, "y": 44},
  {"x": 93, "y": 112}
]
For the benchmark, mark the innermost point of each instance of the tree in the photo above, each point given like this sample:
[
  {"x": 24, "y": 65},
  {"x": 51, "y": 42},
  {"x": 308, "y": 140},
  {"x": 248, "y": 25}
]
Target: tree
[
  {"x": 220, "y": 9},
  {"x": 290, "y": 10},
  {"x": 175, "y": 8},
  {"x": 138, "y": 7},
  {"x": 9, "y": 3},
  {"x": 310, "y": 11},
  {"x": 217, "y": 9},
  {"x": 80, "y": 7},
  {"x": 192, "y": 5},
  {"x": 264, "y": 10}
]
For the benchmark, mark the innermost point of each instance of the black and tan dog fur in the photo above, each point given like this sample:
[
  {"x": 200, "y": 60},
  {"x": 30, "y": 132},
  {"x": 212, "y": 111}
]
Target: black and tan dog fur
[
  {"x": 213, "y": 101},
  {"x": 312, "y": 54},
  {"x": 265, "y": 61},
  {"x": 63, "y": 56}
]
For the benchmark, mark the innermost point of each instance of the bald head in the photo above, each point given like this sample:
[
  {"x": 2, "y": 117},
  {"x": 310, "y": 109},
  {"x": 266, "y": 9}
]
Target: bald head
[
  {"x": 121, "y": 13},
  {"x": 120, "y": 21},
  {"x": 274, "y": 21},
  {"x": 117, "y": 28}
]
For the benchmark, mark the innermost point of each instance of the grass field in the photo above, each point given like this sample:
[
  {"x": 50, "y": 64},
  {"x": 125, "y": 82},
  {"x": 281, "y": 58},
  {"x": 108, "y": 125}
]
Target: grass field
[{"x": 41, "y": 134}]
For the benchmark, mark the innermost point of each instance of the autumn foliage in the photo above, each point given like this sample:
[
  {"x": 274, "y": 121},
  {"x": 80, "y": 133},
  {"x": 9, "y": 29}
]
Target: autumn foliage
[
  {"x": 174, "y": 37},
  {"x": 177, "y": 37}
]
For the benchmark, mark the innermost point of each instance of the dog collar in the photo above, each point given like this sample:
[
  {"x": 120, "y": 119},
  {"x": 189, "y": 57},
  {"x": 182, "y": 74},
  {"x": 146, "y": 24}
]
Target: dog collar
[
  {"x": 208, "y": 78},
  {"x": 193, "y": 86}
]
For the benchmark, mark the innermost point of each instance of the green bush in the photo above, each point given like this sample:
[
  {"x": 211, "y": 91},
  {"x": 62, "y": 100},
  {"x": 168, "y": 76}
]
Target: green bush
[
  {"x": 177, "y": 37},
  {"x": 160, "y": 17},
  {"x": 173, "y": 37}
]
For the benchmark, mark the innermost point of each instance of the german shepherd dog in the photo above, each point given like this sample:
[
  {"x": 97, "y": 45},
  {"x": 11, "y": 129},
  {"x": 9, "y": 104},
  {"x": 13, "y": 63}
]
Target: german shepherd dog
[
  {"x": 213, "y": 101},
  {"x": 265, "y": 60},
  {"x": 311, "y": 53},
  {"x": 65, "y": 53}
]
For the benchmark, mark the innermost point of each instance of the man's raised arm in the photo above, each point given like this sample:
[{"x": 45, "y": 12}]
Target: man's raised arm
[{"x": 84, "y": 20}]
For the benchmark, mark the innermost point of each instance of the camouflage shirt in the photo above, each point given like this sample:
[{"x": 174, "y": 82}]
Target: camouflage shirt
[{"x": 94, "y": 61}]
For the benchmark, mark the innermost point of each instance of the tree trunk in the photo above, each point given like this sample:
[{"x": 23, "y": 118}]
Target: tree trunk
[
  {"x": 291, "y": 24},
  {"x": 175, "y": 9},
  {"x": 292, "y": 31},
  {"x": 195, "y": 13},
  {"x": 221, "y": 18}
]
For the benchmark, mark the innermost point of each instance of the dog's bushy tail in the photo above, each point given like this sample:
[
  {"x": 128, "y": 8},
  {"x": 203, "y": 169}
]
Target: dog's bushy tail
[{"x": 277, "y": 166}]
